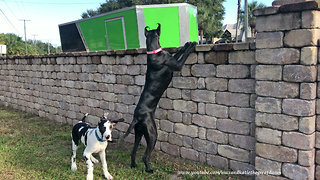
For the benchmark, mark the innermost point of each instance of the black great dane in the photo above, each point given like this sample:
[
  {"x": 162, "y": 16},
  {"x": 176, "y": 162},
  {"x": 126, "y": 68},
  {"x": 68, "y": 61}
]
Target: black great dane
[{"x": 160, "y": 68}]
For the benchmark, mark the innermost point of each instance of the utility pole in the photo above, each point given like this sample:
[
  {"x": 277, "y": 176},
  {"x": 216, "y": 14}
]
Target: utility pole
[
  {"x": 48, "y": 47},
  {"x": 34, "y": 41},
  {"x": 246, "y": 20},
  {"x": 238, "y": 17},
  {"x": 25, "y": 33}
]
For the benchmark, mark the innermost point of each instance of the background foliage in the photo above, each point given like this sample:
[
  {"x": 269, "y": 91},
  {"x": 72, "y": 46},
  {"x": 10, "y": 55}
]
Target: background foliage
[{"x": 16, "y": 46}]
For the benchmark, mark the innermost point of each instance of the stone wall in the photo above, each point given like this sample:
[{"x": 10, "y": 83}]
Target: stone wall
[
  {"x": 206, "y": 114},
  {"x": 286, "y": 88},
  {"x": 234, "y": 106}
]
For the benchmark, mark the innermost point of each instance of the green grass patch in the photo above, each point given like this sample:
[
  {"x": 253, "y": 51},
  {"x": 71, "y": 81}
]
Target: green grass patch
[{"x": 32, "y": 147}]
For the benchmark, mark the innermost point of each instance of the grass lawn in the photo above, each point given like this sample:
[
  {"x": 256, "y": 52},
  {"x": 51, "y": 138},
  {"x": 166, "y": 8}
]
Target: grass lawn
[{"x": 32, "y": 147}]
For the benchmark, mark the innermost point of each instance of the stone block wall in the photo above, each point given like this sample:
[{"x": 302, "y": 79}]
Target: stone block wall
[{"x": 286, "y": 89}]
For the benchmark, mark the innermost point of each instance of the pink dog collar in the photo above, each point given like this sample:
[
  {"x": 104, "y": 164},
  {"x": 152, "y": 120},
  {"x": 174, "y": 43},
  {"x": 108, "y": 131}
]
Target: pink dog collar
[{"x": 154, "y": 51}]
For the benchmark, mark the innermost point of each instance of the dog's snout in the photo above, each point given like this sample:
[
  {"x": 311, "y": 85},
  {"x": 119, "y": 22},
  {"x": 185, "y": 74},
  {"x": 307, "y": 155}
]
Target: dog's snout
[{"x": 108, "y": 137}]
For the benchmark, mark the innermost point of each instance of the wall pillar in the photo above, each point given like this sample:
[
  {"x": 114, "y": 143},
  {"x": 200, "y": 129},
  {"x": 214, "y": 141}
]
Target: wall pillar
[{"x": 286, "y": 86}]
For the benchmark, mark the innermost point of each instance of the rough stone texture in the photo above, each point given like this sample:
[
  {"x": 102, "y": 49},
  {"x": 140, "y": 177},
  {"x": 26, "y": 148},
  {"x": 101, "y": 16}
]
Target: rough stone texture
[
  {"x": 189, "y": 154},
  {"x": 184, "y": 82},
  {"x": 278, "y": 56},
  {"x": 241, "y": 46},
  {"x": 245, "y": 142},
  {"x": 203, "y": 96},
  {"x": 317, "y": 174},
  {"x": 175, "y": 116},
  {"x": 215, "y": 110},
  {"x": 203, "y": 70},
  {"x": 216, "y": 57},
  {"x": 270, "y": 136},
  {"x": 298, "y": 140},
  {"x": 299, "y": 73},
  {"x": 242, "y": 114},
  {"x": 269, "y": 40},
  {"x": 240, "y": 166},
  {"x": 277, "y": 153},
  {"x": 204, "y": 146},
  {"x": 217, "y": 136},
  {"x": 294, "y": 171},
  {"x": 241, "y": 85},
  {"x": 242, "y": 57},
  {"x": 233, "y": 153},
  {"x": 173, "y": 93},
  {"x": 317, "y": 138},
  {"x": 232, "y": 126},
  {"x": 166, "y": 126},
  {"x": 298, "y": 107},
  {"x": 216, "y": 84},
  {"x": 285, "y": 2},
  {"x": 306, "y": 158},
  {"x": 308, "y": 91},
  {"x": 277, "y": 89},
  {"x": 204, "y": 121},
  {"x": 232, "y": 71},
  {"x": 265, "y": 11},
  {"x": 278, "y": 22},
  {"x": 277, "y": 121},
  {"x": 185, "y": 106},
  {"x": 268, "y": 105},
  {"x": 310, "y": 19},
  {"x": 170, "y": 149},
  {"x": 232, "y": 99},
  {"x": 186, "y": 130},
  {"x": 307, "y": 124},
  {"x": 265, "y": 165},
  {"x": 217, "y": 161},
  {"x": 268, "y": 72},
  {"x": 309, "y": 55},
  {"x": 301, "y": 38}
]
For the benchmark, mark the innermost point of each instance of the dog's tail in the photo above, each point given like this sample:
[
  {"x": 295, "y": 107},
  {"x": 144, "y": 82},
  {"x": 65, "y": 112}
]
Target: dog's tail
[
  {"x": 84, "y": 117},
  {"x": 131, "y": 126}
]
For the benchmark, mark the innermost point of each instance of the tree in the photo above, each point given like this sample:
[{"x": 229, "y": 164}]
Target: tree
[
  {"x": 210, "y": 12},
  {"x": 16, "y": 46},
  {"x": 251, "y": 18},
  {"x": 210, "y": 15}
]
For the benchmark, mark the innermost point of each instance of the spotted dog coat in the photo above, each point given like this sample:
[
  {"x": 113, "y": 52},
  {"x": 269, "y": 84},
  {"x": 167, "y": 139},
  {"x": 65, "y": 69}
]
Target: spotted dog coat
[{"x": 96, "y": 140}]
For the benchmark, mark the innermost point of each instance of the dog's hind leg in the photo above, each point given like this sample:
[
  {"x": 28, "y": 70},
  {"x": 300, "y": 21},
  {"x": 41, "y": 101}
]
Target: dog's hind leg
[
  {"x": 137, "y": 139},
  {"x": 73, "y": 157},
  {"x": 104, "y": 165},
  {"x": 151, "y": 139}
]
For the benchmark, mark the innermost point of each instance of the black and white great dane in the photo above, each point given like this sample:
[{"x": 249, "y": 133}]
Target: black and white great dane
[
  {"x": 160, "y": 68},
  {"x": 96, "y": 141}
]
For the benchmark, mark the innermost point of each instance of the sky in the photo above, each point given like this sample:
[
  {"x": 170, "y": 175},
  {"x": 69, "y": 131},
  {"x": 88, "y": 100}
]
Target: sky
[{"x": 43, "y": 16}]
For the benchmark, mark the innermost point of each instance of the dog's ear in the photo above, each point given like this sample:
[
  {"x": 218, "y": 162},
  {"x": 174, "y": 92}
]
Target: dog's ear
[
  {"x": 158, "y": 29},
  {"x": 146, "y": 31},
  {"x": 105, "y": 116}
]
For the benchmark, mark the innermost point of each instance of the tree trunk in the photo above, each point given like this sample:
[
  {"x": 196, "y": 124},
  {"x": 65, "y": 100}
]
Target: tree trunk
[
  {"x": 201, "y": 36},
  {"x": 238, "y": 17}
]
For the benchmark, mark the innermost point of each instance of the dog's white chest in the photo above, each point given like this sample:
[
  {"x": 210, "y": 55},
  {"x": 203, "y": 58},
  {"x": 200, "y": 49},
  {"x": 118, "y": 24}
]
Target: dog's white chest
[{"x": 99, "y": 146}]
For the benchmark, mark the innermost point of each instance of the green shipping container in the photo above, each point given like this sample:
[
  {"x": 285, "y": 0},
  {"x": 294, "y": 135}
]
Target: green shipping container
[{"x": 124, "y": 28}]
